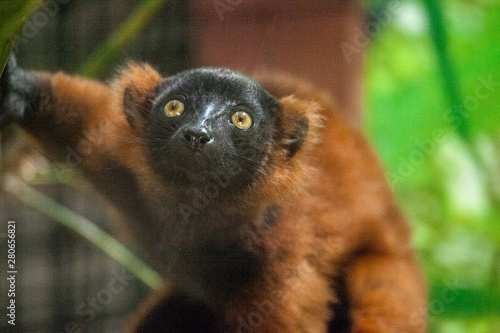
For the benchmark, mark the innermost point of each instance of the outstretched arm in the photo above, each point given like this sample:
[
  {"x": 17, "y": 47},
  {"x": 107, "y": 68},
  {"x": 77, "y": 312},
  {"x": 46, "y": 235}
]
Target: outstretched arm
[
  {"x": 70, "y": 117},
  {"x": 59, "y": 111},
  {"x": 80, "y": 122}
]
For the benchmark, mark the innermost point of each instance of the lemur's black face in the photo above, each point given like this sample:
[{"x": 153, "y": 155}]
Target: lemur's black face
[{"x": 210, "y": 124}]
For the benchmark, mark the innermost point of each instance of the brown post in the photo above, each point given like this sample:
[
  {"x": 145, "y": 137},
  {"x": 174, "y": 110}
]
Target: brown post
[{"x": 297, "y": 36}]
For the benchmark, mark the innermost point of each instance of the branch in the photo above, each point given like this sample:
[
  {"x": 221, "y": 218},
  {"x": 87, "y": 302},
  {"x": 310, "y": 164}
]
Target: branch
[{"x": 82, "y": 227}]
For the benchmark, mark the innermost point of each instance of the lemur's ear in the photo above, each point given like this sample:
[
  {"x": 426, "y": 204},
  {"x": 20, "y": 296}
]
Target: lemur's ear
[
  {"x": 299, "y": 124},
  {"x": 132, "y": 106},
  {"x": 295, "y": 137},
  {"x": 135, "y": 83}
]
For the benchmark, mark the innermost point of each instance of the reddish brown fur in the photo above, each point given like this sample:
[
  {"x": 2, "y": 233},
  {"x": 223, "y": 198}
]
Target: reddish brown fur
[
  {"x": 337, "y": 223},
  {"x": 358, "y": 225}
]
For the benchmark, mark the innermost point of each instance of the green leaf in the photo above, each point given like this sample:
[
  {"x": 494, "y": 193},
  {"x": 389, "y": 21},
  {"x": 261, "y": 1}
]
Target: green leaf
[
  {"x": 98, "y": 60},
  {"x": 463, "y": 302},
  {"x": 12, "y": 17}
]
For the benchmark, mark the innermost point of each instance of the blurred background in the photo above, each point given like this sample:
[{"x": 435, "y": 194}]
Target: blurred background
[{"x": 420, "y": 78}]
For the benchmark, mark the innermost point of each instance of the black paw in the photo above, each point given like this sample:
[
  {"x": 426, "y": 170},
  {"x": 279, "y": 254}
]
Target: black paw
[
  {"x": 5, "y": 116},
  {"x": 18, "y": 93}
]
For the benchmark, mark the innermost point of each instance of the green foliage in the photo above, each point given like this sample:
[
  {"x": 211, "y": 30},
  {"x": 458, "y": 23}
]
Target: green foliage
[
  {"x": 12, "y": 16},
  {"x": 114, "y": 45},
  {"x": 433, "y": 92}
]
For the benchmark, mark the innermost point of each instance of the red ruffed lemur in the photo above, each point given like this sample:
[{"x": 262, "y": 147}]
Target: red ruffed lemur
[{"x": 263, "y": 209}]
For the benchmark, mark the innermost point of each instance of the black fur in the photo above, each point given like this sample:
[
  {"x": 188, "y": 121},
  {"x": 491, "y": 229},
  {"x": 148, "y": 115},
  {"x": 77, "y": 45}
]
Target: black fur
[
  {"x": 210, "y": 97},
  {"x": 180, "y": 314},
  {"x": 20, "y": 93}
]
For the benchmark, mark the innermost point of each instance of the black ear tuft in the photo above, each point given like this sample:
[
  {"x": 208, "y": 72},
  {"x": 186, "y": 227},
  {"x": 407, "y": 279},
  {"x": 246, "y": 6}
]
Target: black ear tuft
[
  {"x": 136, "y": 105},
  {"x": 129, "y": 106},
  {"x": 298, "y": 124},
  {"x": 136, "y": 85},
  {"x": 294, "y": 138}
]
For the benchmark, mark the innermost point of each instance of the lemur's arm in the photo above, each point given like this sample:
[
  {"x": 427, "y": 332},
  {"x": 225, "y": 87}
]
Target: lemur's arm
[
  {"x": 59, "y": 111},
  {"x": 80, "y": 122}
]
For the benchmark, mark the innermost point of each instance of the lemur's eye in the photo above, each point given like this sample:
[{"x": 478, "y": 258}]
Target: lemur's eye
[
  {"x": 242, "y": 120},
  {"x": 173, "y": 108}
]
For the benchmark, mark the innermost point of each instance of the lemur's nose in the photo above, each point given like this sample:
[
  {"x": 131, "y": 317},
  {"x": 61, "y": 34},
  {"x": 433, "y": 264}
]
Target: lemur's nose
[{"x": 197, "y": 137}]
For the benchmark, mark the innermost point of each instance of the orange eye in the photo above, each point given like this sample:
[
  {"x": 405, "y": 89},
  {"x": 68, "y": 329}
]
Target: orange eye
[
  {"x": 173, "y": 108},
  {"x": 242, "y": 120}
]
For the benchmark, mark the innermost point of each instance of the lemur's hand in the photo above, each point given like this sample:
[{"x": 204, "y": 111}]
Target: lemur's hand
[{"x": 18, "y": 93}]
